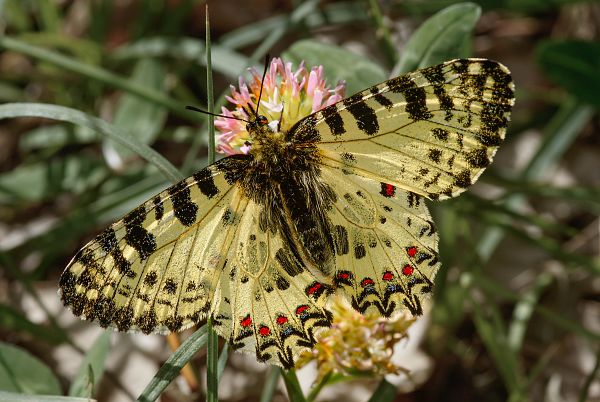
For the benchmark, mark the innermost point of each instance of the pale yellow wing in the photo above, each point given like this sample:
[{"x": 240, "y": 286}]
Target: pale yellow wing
[
  {"x": 268, "y": 303},
  {"x": 198, "y": 250},
  {"x": 156, "y": 270},
  {"x": 431, "y": 132},
  {"x": 385, "y": 243}
]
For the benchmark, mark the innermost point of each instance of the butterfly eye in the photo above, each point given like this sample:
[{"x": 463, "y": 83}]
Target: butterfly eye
[{"x": 262, "y": 120}]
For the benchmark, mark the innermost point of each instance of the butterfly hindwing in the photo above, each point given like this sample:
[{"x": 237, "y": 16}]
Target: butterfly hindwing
[
  {"x": 154, "y": 270},
  {"x": 268, "y": 302},
  {"x": 385, "y": 244},
  {"x": 431, "y": 132}
]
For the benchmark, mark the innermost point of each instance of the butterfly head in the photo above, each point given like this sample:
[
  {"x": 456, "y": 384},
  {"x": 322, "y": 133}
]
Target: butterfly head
[{"x": 258, "y": 124}]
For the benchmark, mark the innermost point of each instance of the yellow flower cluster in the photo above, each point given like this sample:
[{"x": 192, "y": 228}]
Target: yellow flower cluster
[{"x": 357, "y": 344}]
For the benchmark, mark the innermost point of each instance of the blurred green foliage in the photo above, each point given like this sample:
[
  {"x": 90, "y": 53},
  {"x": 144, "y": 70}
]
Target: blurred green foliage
[{"x": 83, "y": 172}]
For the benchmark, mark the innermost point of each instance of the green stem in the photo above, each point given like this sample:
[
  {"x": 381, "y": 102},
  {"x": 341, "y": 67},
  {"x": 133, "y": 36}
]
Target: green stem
[
  {"x": 212, "y": 363},
  {"x": 209, "y": 95},
  {"x": 383, "y": 33},
  {"x": 314, "y": 392},
  {"x": 293, "y": 386}
]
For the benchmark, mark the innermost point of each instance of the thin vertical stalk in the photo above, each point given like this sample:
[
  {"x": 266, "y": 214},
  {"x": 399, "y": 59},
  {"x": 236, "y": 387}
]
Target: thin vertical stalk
[{"x": 212, "y": 355}]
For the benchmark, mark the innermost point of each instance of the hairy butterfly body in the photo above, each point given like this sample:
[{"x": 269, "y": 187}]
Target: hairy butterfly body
[{"x": 335, "y": 204}]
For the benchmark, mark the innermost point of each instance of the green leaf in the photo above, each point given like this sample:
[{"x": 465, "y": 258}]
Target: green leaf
[
  {"x": 444, "y": 36},
  {"x": 22, "y": 372},
  {"x": 45, "y": 179},
  {"x": 91, "y": 368},
  {"x": 14, "y": 397},
  {"x": 12, "y": 110},
  {"x": 173, "y": 365},
  {"x": 224, "y": 60},
  {"x": 137, "y": 116},
  {"x": 55, "y": 136},
  {"x": 329, "y": 14},
  {"x": 358, "y": 71},
  {"x": 573, "y": 65}
]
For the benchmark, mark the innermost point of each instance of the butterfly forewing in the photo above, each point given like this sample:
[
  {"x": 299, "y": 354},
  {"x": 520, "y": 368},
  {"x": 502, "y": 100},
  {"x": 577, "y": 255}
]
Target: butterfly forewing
[
  {"x": 431, "y": 132},
  {"x": 155, "y": 269}
]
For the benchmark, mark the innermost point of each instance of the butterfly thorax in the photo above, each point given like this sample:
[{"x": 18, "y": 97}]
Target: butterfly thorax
[
  {"x": 284, "y": 176},
  {"x": 268, "y": 146}
]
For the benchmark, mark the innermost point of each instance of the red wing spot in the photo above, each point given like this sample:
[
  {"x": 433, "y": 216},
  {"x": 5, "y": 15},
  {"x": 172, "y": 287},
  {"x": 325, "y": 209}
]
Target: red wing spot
[
  {"x": 301, "y": 309},
  {"x": 387, "y": 190},
  {"x": 366, "y": 282},
  {"x": 314, "y": 288},
  {"x": 412, "y": 251},
  {"x": 407, "y": 270},
  {"x": 247, "y": 321},
  {"x": 388, "y": 276},
  {"x": 264, "y": 331},
  {"x": 343, "y": 275},
  {"x": 282, "y": 320}
]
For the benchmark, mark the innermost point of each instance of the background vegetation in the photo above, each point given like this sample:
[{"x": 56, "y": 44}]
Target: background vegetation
[{"x": 93, "y": 122}]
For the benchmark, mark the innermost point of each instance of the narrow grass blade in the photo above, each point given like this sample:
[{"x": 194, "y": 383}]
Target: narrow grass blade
[
  {"x": 557, "y": 319},
  {"x": 173, "y": 365},
  {"x": 222, "y": 361},
  {"x": 97, "y": 74},
  {"x": 270, "y": 384},
  {"x": 14, "y": 397},
  {"x": 61, "y": 113},
  {"x": 524, "y": 310},
  {"x": 212, "y": 357},
  {"x": 492, "y": 332},
  {"x": 559, "y": 134}
]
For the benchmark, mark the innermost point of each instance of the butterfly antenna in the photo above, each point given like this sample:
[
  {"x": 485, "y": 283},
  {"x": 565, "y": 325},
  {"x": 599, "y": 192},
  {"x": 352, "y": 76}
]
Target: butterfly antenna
[
  {"x": 280, "y": 116},
  {"x": 262, "y": 81},
  {"x": 195, "y": 109}
]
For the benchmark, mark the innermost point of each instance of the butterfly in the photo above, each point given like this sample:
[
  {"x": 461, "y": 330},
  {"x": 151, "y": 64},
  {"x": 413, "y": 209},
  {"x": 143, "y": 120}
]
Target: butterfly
[{"x": 336, "y": 204}]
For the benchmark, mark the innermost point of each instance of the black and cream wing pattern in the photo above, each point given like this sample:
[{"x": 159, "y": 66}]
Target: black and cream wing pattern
[{"x": 336, "y": 204}]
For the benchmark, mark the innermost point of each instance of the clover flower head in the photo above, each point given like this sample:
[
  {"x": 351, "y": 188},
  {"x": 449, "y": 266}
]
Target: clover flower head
[
  {"x": 358, "y": 344},
  {"x": 287, "y": 96}
]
